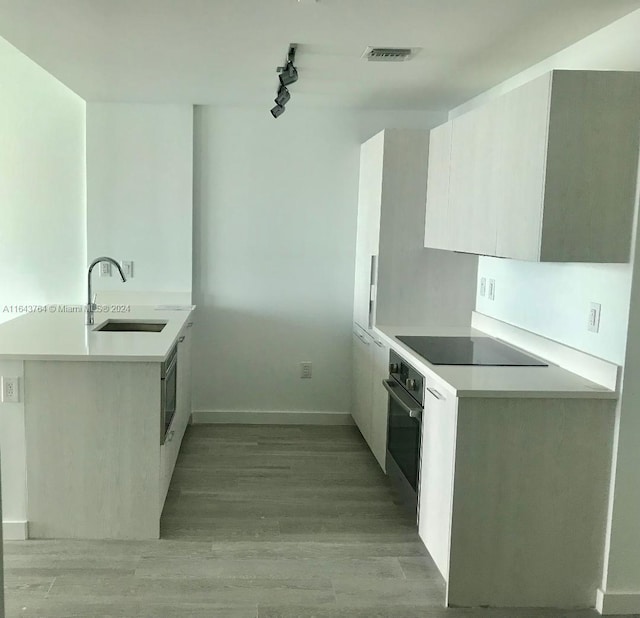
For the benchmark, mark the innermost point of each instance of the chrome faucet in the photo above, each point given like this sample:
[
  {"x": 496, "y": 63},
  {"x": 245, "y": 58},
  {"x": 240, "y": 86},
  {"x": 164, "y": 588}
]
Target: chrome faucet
[{"x": 91, "y": 305}]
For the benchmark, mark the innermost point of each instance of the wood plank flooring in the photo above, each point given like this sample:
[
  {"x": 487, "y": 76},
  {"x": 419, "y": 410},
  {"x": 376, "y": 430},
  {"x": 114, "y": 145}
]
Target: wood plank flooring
[{"x": 260, "y": 522}]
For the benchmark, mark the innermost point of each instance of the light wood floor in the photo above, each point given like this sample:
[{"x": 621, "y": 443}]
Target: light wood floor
[{"x": 260, "y": 522}]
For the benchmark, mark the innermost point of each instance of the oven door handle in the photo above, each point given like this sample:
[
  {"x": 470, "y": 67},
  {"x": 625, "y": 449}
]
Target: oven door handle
[{"x": 404, "y": 401}]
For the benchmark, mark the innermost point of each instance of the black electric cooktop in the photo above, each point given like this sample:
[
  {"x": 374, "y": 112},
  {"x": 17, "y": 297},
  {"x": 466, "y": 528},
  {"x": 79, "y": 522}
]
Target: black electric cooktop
[{"x": 469, "y": 351}]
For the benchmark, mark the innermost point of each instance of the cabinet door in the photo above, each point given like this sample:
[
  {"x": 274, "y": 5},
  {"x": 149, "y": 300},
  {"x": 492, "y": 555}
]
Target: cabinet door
[
  {"x": 379, "y": 404},
  {"x": 361, "y": 387},
  {"x": 437, "y": 453},
  {"x": 368, "y": 227},
  {"x": 471, "y": 223},
  {"x": 520, "y": 158},
  {"x": 436, "y": 230}
]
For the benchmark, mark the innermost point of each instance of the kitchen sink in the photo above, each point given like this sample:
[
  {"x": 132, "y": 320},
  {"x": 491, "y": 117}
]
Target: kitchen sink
[{"x": 124, "y": 326}]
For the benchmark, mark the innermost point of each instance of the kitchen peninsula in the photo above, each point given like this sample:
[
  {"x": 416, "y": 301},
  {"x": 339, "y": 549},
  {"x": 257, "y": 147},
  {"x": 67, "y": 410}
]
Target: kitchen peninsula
[{"x": 97, "y": 461}]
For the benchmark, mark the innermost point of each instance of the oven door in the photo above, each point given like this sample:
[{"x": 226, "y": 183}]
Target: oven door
[{"x": 403, "y": 437}]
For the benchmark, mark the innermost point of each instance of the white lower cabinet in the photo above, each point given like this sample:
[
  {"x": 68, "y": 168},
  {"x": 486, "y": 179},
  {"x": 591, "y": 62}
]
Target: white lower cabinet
[
  {"x": 369, "y": 399},
  {"x": 379, "y": 404},
  {"x": 361, "y": 395},
  {"x": 513, "y": 497},
  {"x": 436, "y": 472}
]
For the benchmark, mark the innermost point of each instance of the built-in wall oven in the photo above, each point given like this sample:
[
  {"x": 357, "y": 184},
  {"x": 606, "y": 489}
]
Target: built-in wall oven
[
  {"x": 406, "y": 396},
  {"x": 168, "y": 391}
]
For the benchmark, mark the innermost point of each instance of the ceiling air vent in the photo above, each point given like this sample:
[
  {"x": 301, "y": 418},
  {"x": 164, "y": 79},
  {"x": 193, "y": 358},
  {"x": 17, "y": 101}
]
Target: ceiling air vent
[{"x": 390, "y": 54}]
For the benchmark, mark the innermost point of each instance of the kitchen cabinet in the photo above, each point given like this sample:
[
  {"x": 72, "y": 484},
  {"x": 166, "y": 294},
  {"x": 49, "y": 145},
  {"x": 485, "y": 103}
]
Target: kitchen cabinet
[
  {"x": 379, "y": 403},
  {"x": 96, "y": 468},
  {"x": 437, "y": 233},
  {"x": 369, "y": 399},
  {"x": 471, "y": 213},
  {"x": 513, "y": 496},
  {"x": 546, "y": 172},
  {"x": 437, "y": 454},
  {"x": 362, "y": 395}
]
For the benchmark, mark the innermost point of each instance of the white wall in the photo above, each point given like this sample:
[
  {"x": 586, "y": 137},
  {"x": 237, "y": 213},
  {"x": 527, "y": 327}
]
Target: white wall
[
  {"x": 42, "y": 186},
  {"x": 552, "y": 300},
  {"x": 274, "y": 249},
  {"x": 139, "y": 193},
  {"x": 42, "y": 233}
]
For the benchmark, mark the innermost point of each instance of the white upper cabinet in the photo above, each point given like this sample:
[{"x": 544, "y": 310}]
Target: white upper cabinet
[
  {"x": 436, "y": 231},
  {"x": 472, "y": 213},
  {"x": 546, "y": 172}
]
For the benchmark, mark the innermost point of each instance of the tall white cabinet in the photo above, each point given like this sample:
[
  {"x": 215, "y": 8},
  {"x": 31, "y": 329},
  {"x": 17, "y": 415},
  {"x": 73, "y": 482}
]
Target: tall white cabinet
[{"x": 397, "y": 281}]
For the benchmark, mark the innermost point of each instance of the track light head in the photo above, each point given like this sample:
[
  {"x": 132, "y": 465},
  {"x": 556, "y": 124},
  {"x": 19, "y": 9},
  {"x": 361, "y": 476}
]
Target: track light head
[
  {"x": 283, "y": 96},
  {"x": 278, "y": 110},
  {"x": 289, "y": 75}
]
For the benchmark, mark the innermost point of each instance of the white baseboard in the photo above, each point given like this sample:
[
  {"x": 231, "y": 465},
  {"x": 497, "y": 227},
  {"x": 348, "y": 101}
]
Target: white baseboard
[
  {"x": 620, "y": 603},
  {"x": 269, "y": 417},
  {"x": 15, "y": 530}
]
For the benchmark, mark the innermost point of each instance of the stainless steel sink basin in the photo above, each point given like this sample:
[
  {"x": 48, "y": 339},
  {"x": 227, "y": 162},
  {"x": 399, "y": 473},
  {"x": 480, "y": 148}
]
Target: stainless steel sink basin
[{"x": 129, "y": 326}]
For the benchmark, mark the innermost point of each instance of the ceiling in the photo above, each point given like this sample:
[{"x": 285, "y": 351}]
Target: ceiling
[{"x": 225, "y": 51}]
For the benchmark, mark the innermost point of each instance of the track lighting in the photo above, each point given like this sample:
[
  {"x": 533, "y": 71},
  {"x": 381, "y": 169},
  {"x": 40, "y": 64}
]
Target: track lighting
[
  {"x": 278, "y": 110},
  {"x": 288, "y": 75},
  {"x": 283, "y": 96}
]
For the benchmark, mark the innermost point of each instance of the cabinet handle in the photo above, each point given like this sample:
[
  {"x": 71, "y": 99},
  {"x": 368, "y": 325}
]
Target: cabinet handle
[
  {"x": 379, "y": 343},
  {"x": 361, "y": 337},
  {"x": 181, "y": 339},
  {"x": 170, "y": 436},
  {"x": 190, "y": 324},
  {"x": 435, "y": 393}
]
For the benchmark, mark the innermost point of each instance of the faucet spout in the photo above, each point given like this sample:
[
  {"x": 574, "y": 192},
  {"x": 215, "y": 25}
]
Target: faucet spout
[{"x": 91, "y": 306}]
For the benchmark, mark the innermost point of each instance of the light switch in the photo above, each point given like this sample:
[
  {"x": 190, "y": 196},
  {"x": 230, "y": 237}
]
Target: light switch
[
  {"x": 127, "y": 269},
  {"x": 492, "y": 289}
]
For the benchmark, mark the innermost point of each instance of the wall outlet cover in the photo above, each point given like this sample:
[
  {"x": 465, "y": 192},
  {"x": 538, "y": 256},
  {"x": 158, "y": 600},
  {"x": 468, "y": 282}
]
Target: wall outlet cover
[
  {"x": 483, "y": 286},
  {"x": 105, "y": 269},
  {"x": 10, "y": 390},
  {"x": 305, "y": 370}
]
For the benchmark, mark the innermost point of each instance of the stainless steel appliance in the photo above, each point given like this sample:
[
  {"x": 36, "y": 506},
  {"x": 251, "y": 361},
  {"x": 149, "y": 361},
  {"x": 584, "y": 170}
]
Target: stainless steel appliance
[
  {"x": 168, "y": 392},
  {"x": 469, "y": 351},
  {"x": 406, "y": 397}
]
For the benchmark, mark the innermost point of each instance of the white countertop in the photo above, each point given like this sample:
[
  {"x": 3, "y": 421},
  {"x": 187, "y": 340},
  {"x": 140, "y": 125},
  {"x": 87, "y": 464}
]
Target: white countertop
[
  {"x": 58, "y": 335},
  {"x": 474, "y": 381}
]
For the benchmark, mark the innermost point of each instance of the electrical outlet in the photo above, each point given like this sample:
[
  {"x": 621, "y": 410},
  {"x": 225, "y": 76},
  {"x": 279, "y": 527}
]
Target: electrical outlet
[
  {"x": 593, "y": 324},
  {"x": 305, "y": 370},
  {"x": 127, "y": 269},
  {"x": 10, "y": 390},
  {"x": 492, "y": 289},
  {"x": 105, "y": 269},
  {"x": 483, "y": 286}
]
